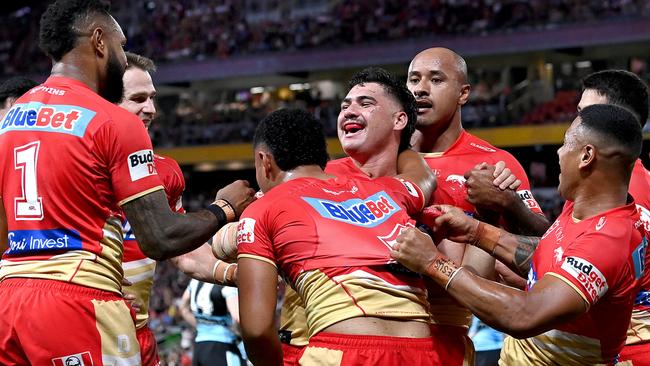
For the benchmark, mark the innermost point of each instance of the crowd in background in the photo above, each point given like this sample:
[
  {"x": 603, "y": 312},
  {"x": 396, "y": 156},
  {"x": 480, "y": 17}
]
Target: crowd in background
[{"x": 191, "y": 29}]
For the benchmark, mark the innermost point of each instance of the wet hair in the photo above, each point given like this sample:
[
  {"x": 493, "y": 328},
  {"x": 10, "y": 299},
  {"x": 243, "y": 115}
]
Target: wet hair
[
  {"x": 395, "y": 89},
  {"x": 15, "y": 87},
  {"x": 616, "y": 125},
  {"x": 621, "y": 88},
  {"x": 64, "y": 21},
  {"x": 140, "y": 62},
  {"x": 294, "y": 137}
]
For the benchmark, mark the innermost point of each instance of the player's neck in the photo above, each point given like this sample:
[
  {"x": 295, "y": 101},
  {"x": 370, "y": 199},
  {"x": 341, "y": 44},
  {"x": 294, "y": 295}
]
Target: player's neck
[
  {"x": 72, "y": 66},
  {"x": 305, "y": 171},
  {"x": 593, "y": 199},
  {"x": 380, "y": 164},
  {"x": 435, "y": 139}
]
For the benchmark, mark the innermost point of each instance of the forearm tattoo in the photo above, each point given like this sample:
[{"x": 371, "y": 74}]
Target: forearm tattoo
[{"x": 526, "y": 246}]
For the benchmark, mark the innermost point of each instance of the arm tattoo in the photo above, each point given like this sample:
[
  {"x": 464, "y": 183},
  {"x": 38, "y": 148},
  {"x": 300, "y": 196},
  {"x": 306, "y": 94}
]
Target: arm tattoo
[{"x": 526, "y": 246}]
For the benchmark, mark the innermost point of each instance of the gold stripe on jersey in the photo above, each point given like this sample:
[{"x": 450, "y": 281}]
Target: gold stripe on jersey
[
  {"x": 639, "y": 330},
  {"x": 293, "y": 317},
  {"x": 554, "y": 347},
  {"x": 446, "y": 311},
  {"x": 115, "y": 326},
  {"x": 140, "y": 194},
  {"x": 257, "y": 257},
  {"x": 357, "y": 294},
  {"x": 140, "y": 273},
  {"x": 103, "y": 271}
]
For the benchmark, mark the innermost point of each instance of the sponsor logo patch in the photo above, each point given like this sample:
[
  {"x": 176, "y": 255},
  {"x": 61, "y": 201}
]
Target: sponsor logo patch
[
  {"x": 368, "y": 212},
  {"x": 246, "y": 231},
  {"x": 591, "y": 279},
  {"x": 481, "y": 147},
  {"x": 31, "y": 241},
  {"x": 34, "y": 116},
  {"x": 454, "y": 178},
  {"x": 79, "y": 359},
  {"x": 141, "y": 164},
  {"x": 410, "y": 188},
  {"x": 527, "y": 197},
  {"x": 638, "y": 258},
  {"x": 391, "y": 239}
]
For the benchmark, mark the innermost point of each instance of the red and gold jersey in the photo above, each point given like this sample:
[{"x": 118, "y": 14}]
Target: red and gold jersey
[
  {"x": 69, "y": 158},
  {"x": 292, "y": 318},
  {"x": 138, "y": 268},
  {"x": 601, "y": 258},
  {"x": 639, "y": 331},
  {"x": 468, "y": 151},
  {"x": 303, "y": 237},
  {"x": 450, "y": 167}
]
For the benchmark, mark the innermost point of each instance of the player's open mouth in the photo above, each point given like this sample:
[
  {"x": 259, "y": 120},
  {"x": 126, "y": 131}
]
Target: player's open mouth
[
  {"x": 352, "y": 127},
  {"x": 423, "y": 105}
]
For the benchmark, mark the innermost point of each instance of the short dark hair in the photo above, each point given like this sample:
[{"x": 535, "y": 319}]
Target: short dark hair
[
  {"x": 15, "y": 87},
  {"x": 622, "y": 88},
  {"x": 294, "y": 138},
  {"x": 617, "y": 125},
  {"x": 61, "y": 22},
  {"x": 395, "y": 89},
  {"x": 140, "y": 62}
]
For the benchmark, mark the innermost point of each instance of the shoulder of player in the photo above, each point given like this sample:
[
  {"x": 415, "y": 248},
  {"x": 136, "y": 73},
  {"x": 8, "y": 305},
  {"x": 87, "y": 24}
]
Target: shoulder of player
[{"x": 166, "y": 162}]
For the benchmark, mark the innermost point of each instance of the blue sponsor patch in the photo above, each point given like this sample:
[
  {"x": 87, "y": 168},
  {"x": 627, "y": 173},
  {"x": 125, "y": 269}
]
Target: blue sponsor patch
[
  {"x": 23, "y": 242},
  {"x": 638, "y": 258},
  {"x": 368, "y": 212},
  {"x": 35, "y": 116}
]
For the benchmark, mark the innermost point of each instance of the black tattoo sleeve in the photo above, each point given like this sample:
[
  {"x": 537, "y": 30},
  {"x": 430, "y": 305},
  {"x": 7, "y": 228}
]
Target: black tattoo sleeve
[{"x": 526, "y": 246}]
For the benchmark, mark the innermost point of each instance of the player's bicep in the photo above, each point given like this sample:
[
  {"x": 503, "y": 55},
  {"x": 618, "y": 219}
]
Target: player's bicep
[
  {"x": 553, "y": 301},
  {"x": 257, "y": 283}
]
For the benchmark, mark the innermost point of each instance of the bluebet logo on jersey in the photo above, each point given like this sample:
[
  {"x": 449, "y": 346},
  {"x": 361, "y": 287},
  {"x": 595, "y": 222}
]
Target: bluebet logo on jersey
[
  {"x": 34, "y": 241},
  {"x": 59, "y": 118},
  {"x": 368, "y": 212}
]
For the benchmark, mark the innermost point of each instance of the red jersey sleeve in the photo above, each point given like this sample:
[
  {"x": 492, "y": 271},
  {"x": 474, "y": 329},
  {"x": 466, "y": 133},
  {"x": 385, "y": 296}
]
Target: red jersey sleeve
[
  {"x": 593, "y": 262},
  {"x": 406, "y": 193},
  {"x": 253, "y": 235},
  {"x": 126, "y": 149},
  {"x": 171, "y": 175}
]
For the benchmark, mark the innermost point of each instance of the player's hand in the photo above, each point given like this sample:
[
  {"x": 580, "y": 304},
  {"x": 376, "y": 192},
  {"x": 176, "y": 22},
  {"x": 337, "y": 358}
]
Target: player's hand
[
  {"x": 239, "y": 194},
  {"x": 483, "y": 194},
  {"x": 455, "y": 225},
  {"x": 504, "y": 178},
  {"x": 414, "y": 249},
  {"x": 130, "y": 298}
]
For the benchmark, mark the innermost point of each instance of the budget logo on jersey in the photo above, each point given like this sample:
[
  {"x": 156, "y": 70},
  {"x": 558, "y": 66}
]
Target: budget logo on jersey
[
  {"x": 368, "y": 212},
  {"x": 79, "y": 359},
  {"x": 410, "y": 187},
  {"x": 246, "y": 231},
  {"x": 591, "y": 279},
  {"x": 527, "y": 197},
  {"x": 35, "y": 116},
  {"x": 141, "y": 164}
]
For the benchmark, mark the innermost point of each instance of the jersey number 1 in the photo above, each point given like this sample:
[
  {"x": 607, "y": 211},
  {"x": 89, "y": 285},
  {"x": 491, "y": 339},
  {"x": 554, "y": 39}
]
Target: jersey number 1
[{"x": 29, "y": 206}]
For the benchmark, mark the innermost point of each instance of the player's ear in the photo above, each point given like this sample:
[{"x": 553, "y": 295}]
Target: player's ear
[
  {"x": 98, "y": 40},
  {"x": 464, "y": 94},
  {"x": 400, "y": 121},
  {"x": 587, "y": 156}
]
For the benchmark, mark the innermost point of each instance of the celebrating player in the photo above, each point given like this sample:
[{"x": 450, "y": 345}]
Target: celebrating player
[
  {"x": 70, "y": 159},
  {"x": 584, "y": 272},
  {"x": 356, "y": 306}
]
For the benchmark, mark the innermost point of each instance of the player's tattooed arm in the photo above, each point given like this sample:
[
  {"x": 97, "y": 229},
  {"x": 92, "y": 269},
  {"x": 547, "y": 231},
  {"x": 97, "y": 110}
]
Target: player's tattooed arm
[
  {"x": 513, "y": 250},
  {"x": 526, "y": 246},
  {"x": 163, "y": 234}
]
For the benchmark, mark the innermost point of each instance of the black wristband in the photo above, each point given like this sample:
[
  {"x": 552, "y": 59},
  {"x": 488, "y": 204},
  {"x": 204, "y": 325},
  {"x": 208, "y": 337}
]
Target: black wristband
[{"x": 219, "y": 213}]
